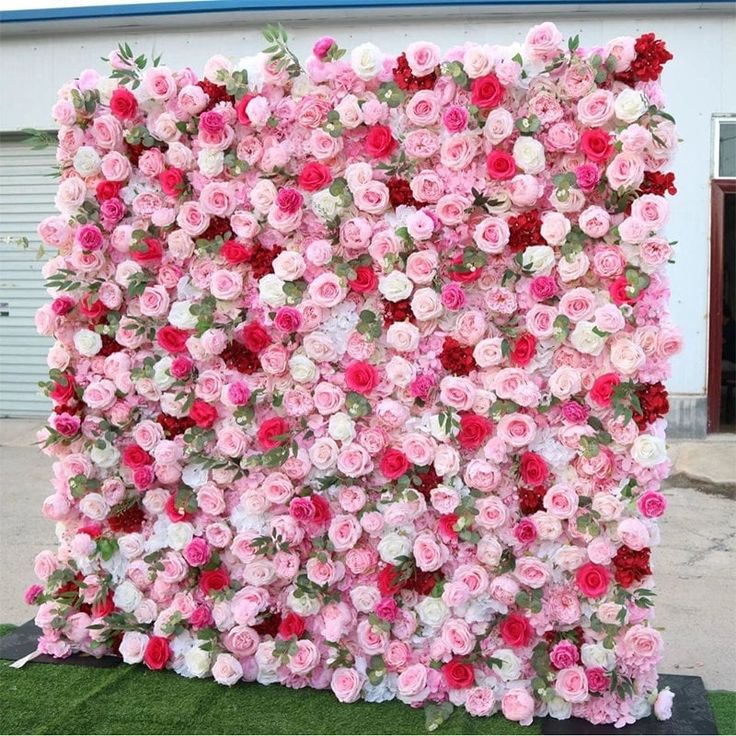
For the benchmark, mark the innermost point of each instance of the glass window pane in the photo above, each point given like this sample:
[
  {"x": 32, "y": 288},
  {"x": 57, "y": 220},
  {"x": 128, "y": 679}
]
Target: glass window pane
[{"x": 727, "y": 149}]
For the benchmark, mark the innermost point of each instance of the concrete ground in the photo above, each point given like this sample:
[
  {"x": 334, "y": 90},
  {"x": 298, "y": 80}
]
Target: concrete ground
[{"x": 695, "y": 566}]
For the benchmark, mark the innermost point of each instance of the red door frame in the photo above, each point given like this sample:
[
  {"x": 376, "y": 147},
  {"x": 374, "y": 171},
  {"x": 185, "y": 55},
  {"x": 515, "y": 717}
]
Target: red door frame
[{"x": 718, "y": 190}]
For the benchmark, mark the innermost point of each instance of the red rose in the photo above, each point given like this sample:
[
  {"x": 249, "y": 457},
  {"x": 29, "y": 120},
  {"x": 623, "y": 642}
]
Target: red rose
[
  {"x": 620, "y": 291},
  {"x": 172, "y": 339},
  {"x": 487, "y": 92},
  {"x": 291, "y": 625},
  {"x": 500, "y": 165},
  {"x": 91, "y": 307},
  {"x": 172, "y": 181},
  {"x": 148, "y": 251},
  {"x": 157, "y": 652},
  {"x": 103, "y": 608},
  {"x": 240, "y": 109},
  {"x": 592, "y": 579},
  {"x": 474, "y": 431},
  {"x": 216, "y": 579},
  {"x": 174, "y": 512},
  {"x": 365, "y": 280},
  {"x": 134, "y": 456},
  {"x": 389, "y": 580},
  {"x": 107, "y": 190},
  {"x": 271, "y": 433},
  {"x": 380, "y": 142},
  {"x": 523, "y": 350},
  {"x": 457, "y": 674},
  {"x": 123, "y": 104},
  {"x": 533, "y": 469},
  {"x": 203, "y": 414},
  {"x": 234, "y": 252},
  {"x": 597, "y": 145},
  {"x": 394, "y": 463},
  {"x": 446, "y": 527},
  {"x": 255, "y": 337},
  {"x": 322, "y": 513},
  {"x": 515, "y": 630},
  {"x": 601, "y": 393},
  {"x": 361, "y": 377},
  {"x": 314, "y": 176}
]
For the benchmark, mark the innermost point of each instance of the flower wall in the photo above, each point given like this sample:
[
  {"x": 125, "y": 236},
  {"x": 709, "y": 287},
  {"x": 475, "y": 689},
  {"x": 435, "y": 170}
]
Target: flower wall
[{"x": 357, "y": 372}]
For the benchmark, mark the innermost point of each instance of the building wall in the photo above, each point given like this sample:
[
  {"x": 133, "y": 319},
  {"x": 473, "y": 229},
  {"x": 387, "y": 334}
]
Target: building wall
[{"x": 698, "y": 83}]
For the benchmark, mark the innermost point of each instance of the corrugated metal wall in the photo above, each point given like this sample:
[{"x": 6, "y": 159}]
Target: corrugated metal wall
[{"x": 26, "y": 197}]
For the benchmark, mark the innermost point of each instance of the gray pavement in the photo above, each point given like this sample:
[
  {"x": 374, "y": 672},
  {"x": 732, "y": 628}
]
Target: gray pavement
[{"x": 695, "y": 565}]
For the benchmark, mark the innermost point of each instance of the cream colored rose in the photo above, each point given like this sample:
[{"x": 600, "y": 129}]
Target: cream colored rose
[
  {"x": 366, "y": 61},
  {"x": 271, "y": 290},
  {"x": 302, "y": 369},
  {"x": 403, "y": 336},
  {"x": 289, "y": 265},
  {"x": 341, "y": 427},
  {"x": 529, "y": 154},
  {"x": 87, "y": 343},
  {"x": 396, "y": 286},
  {"x": 180, "y": 315},
  {"x": 197, "y": 661},
  {"x": 648, "y": 450},
  {"x": 426, "y": 304},
  {"x": 127, "y": 597},
  {"x": 585, "y": 340},
  {"x": 392, "y": 546},
  {"x": 105, "y": 456},
  {"x": 538, "y": 259},
  {"x": 211, "y": 162},
  {"x": 432, "y": 612},
  {"x": 630, "y": 105},
  {"x": 86, "y": 161}
]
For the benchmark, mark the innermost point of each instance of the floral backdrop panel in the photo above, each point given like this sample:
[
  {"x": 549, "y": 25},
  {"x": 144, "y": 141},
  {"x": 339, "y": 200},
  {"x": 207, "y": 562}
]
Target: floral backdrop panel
[{"x": 357, "y": 373}]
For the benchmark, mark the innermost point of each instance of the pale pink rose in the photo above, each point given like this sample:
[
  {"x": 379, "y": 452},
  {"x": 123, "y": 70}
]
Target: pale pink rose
[
  {"x": 518, "y": 705},
  {"x": 226, "y": 670},
  {"x": 428, "y": 553},
  {"x": 411, "y": 684},
  {"x": 663, "y": 704},
  {"x": 427, "y": 186},
  {"x": 422, "y": 57},
  {"x": 423, "y": 109},
  {"x": 626, "y": 171},
  {"x": 633, "y": 533},
  {"x": 133, "y": 646},
  {"x": 555, "y": 228},
  {"x": 516, "y": 430},
  {"x": 226, "y": 284},
  {"x": 421, "y": 144},
  {"x": 531, "y": 572},
  {"x": 480, "y": 701},
  {"x": 347, "y": 684},
  {"x": 327, "y": 290},
  {"x": 344, "y": 532},
  {"x": 571, "y": 684},
  {"x": 596, "y": 109},
  {"x": 354, "y": 461},
  {"x": 420, "y": 225},
  {"x": 457, "y": 151},
  {"x": 543, "y": 42}
]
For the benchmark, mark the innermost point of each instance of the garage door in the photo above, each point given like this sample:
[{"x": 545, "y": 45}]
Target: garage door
[{"x": 26, "y": 197}]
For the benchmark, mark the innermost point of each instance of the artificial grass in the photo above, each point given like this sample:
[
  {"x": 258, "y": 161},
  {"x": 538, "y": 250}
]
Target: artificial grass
[{"x": 50, "y": 698}]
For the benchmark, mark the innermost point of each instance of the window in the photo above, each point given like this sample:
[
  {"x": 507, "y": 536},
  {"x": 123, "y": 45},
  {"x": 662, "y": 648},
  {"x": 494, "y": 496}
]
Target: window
[{"x": 724, "y": 159}]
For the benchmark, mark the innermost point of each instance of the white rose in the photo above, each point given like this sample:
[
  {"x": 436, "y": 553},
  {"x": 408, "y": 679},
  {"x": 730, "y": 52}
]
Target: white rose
[
  {"x": 194, "y": 476},
  {"x": 510, "y": 668},
  {"x": 366, "y": 61},
  {"x": 289, "y": 265},
  {"x": 304, "y": 606},
  {"x": 131, "y": 545},
  {"x": 432, "y": 611},
  {"x": 180, "y": 315},
  {"x": 271, "y": 290},
  {"x": 133, "y": 646},
  {"x": 538, "y": 259},
  {"x": 255, "y": 66},
  {"x": 596, "y": 655},
  {"x": 302, "y": 369},
  {"x": 127, "y": 597},
  {"x": 211, "y": 162},
  {"x": 438, "y": 428},
  {"x": 630, "y": 105},
  {"x": 94, "y": 506},
  {"x": 399, "y": 370},
  {"x": 648, "y": 450},
  {"x": 559, "y": 709},
  {"x": 325, "y": 205},
  {"x": 162, "y": 373},
  {"x": 86, "y": 161},
  {"x": 87, "y": 343},
  {"x": 396, "y": 286},
  {"x": 529, "y": 154},
  {"x": 342, "y": 427},
  {"x": 364, "y": 597},
  {"x": 179, "y": 535},
  {"x": 104, "y": 457},
  {"x": 585, "y": 340},
  {"x": 392, "y": 546},
  {"x": 197, "y": 661}
]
